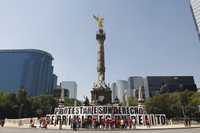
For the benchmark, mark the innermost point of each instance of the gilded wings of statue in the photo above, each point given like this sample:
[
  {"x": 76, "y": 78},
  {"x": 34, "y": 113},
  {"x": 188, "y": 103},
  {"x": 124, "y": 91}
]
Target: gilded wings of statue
[{"x": 99, "y": 21}]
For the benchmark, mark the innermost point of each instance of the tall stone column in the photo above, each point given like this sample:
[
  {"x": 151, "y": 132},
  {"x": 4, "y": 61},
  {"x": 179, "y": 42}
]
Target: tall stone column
[
  {"x": 100, "y": 37},
  {"x": 101, "y": 93}
]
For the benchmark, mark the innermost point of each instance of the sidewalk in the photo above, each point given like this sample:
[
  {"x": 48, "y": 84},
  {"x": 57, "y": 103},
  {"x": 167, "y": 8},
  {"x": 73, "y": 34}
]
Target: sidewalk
[
  {"x": 159, "y": 127},
  {"x": 164, "y": 127},
  {"x": 177, "y": 126}
]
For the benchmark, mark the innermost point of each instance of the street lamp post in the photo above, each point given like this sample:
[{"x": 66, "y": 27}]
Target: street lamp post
[{"x": 20, "y": 110}]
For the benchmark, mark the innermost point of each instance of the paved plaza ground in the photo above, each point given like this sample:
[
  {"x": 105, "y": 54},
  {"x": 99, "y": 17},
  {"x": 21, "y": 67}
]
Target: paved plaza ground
[{"x": 21, "y": 130}]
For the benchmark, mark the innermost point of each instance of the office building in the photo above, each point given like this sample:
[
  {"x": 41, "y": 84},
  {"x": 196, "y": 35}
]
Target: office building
[
  {"x": 27, "y": 68},
  {"x": 170, "y": 84},
  {"x": 71, "y": 86},
  {"x": 134, "y": 83},
  {"x": 119, "y": 90},
  {"x": 57, "y": 92},
  {"x": 114, "y": 92}
]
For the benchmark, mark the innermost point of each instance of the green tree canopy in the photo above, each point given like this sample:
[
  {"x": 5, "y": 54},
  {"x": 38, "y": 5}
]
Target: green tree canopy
[
  {"x": 43, "y": 104},
  {"x": 71, "y": 102},
  {"x": 177, "y": 104},
  {"x": 132, "y": 101}
]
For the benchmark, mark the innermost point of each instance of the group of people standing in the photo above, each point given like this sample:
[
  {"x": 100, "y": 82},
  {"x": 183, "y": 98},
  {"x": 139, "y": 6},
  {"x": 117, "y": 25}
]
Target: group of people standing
[
  {"x": 40, "y": 123},
  {"x": 92, "y": 123},
  {"x": 104, "y": 123}
]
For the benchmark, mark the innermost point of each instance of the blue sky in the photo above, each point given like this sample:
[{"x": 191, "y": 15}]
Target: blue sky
[{"x": 144, "y": 37}]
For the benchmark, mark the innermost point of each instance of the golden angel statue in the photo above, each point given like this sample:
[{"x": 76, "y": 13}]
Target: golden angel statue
[{"x": 99, "y": 21}]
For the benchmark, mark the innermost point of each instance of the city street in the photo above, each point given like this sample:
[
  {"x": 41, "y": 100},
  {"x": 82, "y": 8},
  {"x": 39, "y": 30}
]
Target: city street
[{"x": 20, "y": 130}]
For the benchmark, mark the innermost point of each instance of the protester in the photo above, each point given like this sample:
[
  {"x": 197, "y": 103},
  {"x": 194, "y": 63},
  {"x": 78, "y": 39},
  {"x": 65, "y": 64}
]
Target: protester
[
  {"x": 74, "y": 124},
  {"x": 90, "y": 122},
  {"x": 43, "y": 123},
  {"x": 122, "y": 123},
  {"x": 113, "y": 123},
  {"x": 102, "y": 123},
  {"x": 147, "y": 122},
  {"x": 130, "y": 123},
  {"x": 78, "y": 123},
  {"x": 134, "y": 123},
  {"x": 117, "y": 123}
]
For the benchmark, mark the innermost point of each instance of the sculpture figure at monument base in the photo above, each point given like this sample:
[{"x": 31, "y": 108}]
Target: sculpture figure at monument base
[{"x": 101, "y": 96}]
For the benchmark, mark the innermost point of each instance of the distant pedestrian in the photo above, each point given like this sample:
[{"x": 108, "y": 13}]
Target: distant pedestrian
[
  {"x": 171, "y": 122},
  {"x": 2, "y": 123},
  {"x": 189, "y": 122},
  {"x": 20, "y": 123},
  {"x": 186, "y": 122},
  {"x": 32, "y": 123}
]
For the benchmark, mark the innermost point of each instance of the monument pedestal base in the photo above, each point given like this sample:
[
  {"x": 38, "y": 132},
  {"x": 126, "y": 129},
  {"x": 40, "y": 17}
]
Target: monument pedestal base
[{"x": 101, "y": 96}]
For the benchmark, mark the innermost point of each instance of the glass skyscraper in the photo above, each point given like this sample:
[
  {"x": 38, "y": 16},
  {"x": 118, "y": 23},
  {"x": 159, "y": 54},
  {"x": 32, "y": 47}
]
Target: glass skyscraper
[
  {"x": 27, "y": 68},
  {"x": 195, "y": 7},
  {"x": 171, "y": 83},
  {"x": 134, "y": 83},
  {"x": 71, "y": 86},
  {"x": 119, "y": 90}
]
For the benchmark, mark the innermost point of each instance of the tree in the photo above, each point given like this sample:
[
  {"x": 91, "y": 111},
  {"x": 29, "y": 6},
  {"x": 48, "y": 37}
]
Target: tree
[
  {"x": 22, "y": 95},
  {"x": 158, "y": 104},
  {"x": 71, "y": 102},
  {"x": 24, "y": 105},
  {"x": 6, "y": 104},
  {"x": 177, "y": 104},
  {"x": 12, "y": 105},
  {"x": 195, "y": 102},
  {"x": 132, "y": 101},
  {"x": 42, "y": 105},
  {"x": 195, "y": 99}
]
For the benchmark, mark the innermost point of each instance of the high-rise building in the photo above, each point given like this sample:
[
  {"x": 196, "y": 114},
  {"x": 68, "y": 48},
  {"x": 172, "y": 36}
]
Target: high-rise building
[
  {"x": 170, "y": 84},
  {"x": 146, "y": 88},
  {"x": 195, "y": 8},
  {"x": 27, "y": 68},
  {"x": 119, "y": 90},
  {"x": 57, "y": 92},
  {"x": 54, "y": 83},
  {"x": 71, "y": 86},
  {"x": 114, "y": 91},
  {"x": 152, "y": 85},
  {"x": 134, "y": 83}
]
